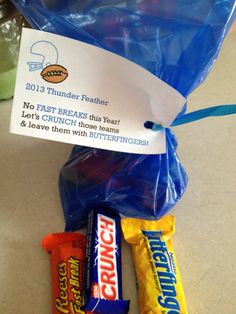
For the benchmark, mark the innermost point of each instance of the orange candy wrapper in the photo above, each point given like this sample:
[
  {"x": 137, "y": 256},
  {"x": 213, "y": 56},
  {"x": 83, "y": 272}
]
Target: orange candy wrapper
[{"x": 67, "y": 251}]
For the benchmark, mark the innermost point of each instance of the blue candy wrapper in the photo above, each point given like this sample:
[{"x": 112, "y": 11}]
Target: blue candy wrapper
[
  {"x": 101, "y": 306},
  {"x": 177, "y": 41},
  {"x": 103, "y": 259}
]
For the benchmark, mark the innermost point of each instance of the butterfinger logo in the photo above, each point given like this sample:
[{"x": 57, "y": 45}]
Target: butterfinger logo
[{"x": 45, "y": 57}]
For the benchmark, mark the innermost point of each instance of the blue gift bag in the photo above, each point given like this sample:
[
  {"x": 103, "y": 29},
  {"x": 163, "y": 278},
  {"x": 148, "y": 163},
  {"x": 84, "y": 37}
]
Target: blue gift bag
[{"x": 177, "y": 41}]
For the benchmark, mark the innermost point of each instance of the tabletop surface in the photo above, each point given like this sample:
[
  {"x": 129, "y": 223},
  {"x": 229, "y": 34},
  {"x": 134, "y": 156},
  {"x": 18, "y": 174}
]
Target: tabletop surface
[{"x": 205, "y": 236}]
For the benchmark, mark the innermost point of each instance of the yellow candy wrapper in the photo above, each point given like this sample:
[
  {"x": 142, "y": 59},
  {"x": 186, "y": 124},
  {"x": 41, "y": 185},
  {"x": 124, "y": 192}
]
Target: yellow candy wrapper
[{"x": 160, "y": 288}]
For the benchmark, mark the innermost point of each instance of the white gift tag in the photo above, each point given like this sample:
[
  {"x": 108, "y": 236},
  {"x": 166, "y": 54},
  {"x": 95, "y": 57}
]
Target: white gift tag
[{"x": 72, "y": 92}]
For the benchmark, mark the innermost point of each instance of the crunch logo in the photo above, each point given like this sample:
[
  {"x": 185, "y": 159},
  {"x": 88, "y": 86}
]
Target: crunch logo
[{"x": 107, "y": 264}]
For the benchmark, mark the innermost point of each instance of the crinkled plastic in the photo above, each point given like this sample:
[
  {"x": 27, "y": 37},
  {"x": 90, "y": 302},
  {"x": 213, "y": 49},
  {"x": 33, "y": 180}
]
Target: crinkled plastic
[
  {"x": 143, "y": 186},
  {"x": 176, "y": 40}
]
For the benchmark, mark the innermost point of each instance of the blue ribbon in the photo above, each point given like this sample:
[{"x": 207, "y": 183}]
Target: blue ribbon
[{"x": 216, "y": 111}]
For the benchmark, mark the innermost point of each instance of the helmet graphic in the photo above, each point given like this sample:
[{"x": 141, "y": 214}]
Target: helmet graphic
[{"x": 44, "y": 53}]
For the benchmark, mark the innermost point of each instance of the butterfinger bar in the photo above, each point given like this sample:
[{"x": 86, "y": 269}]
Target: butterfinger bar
[{"x": 160, "y": 288}]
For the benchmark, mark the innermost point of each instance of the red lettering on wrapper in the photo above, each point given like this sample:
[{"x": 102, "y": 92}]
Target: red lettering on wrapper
[
  {"x": 107, "y": 263},
  {"x": 106, "y": 223},
  {"x": 103, "y": 237},
  {"x": 109, "y": 295},
  {"x": 106, "y": 251},
  {"x": 106, "y": 277}
]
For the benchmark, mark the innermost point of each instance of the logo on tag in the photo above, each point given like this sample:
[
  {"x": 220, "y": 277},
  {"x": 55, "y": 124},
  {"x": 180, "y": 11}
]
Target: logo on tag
[{"x": 45, "y": 57}]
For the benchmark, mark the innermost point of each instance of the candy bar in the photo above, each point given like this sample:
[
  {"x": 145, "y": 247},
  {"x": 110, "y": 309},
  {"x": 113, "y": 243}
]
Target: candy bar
[
  {"x": 159, "y": 284},
  {"x": 67, "y": 262},
  {"x": 103, "y": 280}
]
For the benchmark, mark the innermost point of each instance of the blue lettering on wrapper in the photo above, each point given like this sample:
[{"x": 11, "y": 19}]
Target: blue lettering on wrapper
[{"x": 167, "y": 279}]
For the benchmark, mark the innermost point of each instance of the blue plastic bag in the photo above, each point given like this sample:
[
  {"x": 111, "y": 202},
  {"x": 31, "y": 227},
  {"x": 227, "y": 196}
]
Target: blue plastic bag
[{"x": 176, "y": 40}]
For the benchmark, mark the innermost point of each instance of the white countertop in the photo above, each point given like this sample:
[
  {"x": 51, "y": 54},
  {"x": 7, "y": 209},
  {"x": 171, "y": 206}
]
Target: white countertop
[{"x": 205, "y": 218}]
